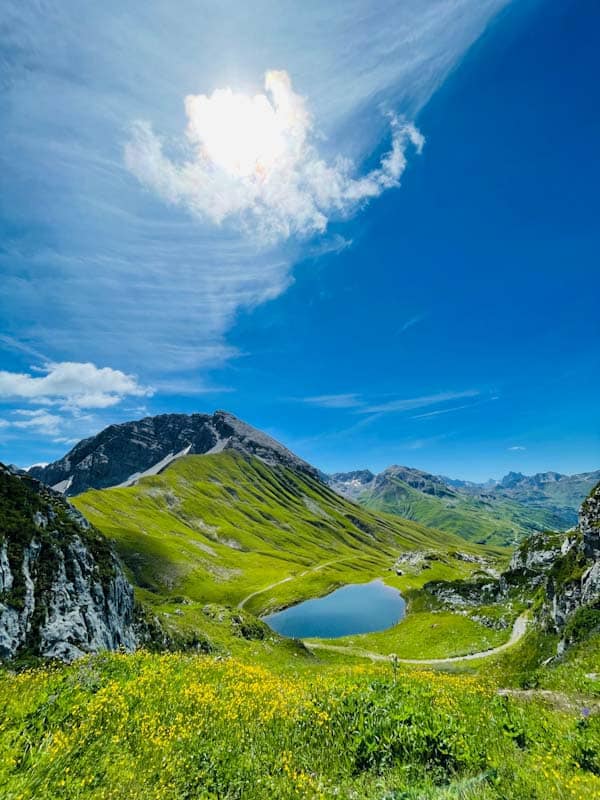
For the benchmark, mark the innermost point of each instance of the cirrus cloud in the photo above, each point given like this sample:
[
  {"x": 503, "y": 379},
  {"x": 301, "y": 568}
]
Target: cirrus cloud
[{"x": 254, "y": 160}]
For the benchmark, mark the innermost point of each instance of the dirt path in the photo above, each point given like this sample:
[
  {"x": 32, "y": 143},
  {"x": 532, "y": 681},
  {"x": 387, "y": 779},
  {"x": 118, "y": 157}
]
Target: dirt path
[
  {"x": 243, "y": 602},
  {"x": 518, "y": 632}
]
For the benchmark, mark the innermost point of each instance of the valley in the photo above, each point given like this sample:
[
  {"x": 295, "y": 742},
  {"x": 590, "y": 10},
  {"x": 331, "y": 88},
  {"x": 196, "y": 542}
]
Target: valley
[
  {"x": 471, "y": 687},
  {"x": 226, "y": 530},
  {"x": 498, "y": 513}
]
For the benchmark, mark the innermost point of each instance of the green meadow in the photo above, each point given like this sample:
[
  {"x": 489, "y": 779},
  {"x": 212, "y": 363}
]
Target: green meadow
[{"x": 236, "y": 712}]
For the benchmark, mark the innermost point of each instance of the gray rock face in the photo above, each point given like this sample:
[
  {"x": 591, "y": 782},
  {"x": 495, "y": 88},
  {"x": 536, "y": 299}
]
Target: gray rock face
[
  {"x": 62, "y": 590},
  {"x": 589, "y": 525},
  {"x": 537, "y": 553},
  {"x": 574, "y": 581},
  {"x": 120, "y": 453},
  {"x": 350, "y": 484},
  {"x": 561, "y": 569}
]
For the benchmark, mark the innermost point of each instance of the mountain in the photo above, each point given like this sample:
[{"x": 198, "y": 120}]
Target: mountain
[
  {"x": 226, "y": 529},
  {"x": 562, "y": 495},
  {"x": 500, "y": 513},
  {"x": 121, "y": 454},
  {"x": 62, "y": 590}
]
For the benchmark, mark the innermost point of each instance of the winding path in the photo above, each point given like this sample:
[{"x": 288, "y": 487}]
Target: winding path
[
  {"x": 243, "y": 602},
  {"x": 518, "y": 631}
]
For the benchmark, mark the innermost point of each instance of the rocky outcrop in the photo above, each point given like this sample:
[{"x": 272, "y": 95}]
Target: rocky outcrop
[
  {"x": 349, "y": 484},
  {"x": 121, "y": 454},
  {"x": 62, "y": 590},
  {"x": 574, "y": 579},
  {"x": 558, "y": 574},
  {"x": 589, "y": 525}
]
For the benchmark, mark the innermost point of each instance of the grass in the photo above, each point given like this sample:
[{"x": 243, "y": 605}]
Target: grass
[
  {"x": 175, "y": 727},
  {"x": 251, "y": 716},
  {"x": 497, "y": 521},
  {"x": 428, "y": 635},
  {"x": 213, "y": 530}
]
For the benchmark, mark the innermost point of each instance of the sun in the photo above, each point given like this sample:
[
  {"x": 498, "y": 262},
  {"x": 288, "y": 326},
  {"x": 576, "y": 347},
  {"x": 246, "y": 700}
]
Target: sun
[{"x": 241, "y": 134}]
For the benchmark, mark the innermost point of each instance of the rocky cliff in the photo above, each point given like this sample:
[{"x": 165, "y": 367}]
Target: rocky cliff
[
  {"x": 573, "y": 584},
  {"x": 62, "y": 590},
  {"x": 558, "y": 574},
  {"x": 120, "y": 454}
]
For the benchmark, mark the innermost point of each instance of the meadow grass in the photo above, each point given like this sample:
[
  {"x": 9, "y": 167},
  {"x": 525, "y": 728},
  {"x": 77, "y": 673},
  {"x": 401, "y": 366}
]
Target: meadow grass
[
  {"x": 428, "y": 635},
  {"x": 176, "y": 727},
  {"x": 224, "y": 529}
]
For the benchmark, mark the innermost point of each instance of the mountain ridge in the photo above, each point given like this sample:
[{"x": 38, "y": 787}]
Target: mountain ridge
[
  {"x": 502, "y": 513},
  {"x": 122, "y": 453}
]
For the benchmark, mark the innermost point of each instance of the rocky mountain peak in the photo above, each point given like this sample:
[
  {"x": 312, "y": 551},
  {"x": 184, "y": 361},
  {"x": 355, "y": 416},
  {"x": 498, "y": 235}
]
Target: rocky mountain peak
[{"x": 122, "y": 453}]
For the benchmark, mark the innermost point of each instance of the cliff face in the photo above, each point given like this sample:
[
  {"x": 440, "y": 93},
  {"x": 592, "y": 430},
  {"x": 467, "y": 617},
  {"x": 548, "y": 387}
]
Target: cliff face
[
  {"x": 574, "y": 580},
  {"x": 566, "y": 566},
  {"x": 557, "y": 573},
  {"x": 62, "y": 590}
]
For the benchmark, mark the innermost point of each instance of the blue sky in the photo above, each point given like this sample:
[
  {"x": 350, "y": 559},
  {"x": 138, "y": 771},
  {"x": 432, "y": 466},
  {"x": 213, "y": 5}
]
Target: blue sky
[{"x": 312, "y": 265}]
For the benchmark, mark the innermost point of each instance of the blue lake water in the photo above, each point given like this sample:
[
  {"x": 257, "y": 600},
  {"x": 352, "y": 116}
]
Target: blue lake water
[{"x": 356, "y": 608}]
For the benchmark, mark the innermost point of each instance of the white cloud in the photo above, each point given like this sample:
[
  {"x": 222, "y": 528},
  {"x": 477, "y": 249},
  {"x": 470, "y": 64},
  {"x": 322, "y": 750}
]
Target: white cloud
[
  {"x": 39, "y": 421},
  {"x": 254, "y": 160},
  {"x": 410, "y": 322},
  {"x": 73, "y": 385},
  {"x": 334, "y": 401},
  {"x": 178, "y": 284},
  {"x": 517, "y": 447},
  {"x": 418, "y": 402}
]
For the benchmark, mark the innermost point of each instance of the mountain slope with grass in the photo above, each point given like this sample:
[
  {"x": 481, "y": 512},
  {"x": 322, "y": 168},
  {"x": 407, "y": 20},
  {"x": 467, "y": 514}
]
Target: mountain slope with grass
[
  {"x": 226, "y": 530},
  {"x": 500, "y": 515},
  {"x": 215, "y": 539}
]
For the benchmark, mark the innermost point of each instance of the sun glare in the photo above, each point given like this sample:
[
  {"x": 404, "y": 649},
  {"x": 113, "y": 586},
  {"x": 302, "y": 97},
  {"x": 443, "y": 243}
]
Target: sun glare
[{"x": 243, "y": 135}]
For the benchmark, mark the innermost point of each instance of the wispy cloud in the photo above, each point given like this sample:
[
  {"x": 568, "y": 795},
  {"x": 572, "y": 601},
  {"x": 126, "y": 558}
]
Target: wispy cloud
[
  {"x": 254, "y": 160},
  {"x": 39, "y": 421},
  {"x": 409, "y": 404},
  {"x": 411, "y": 322},
  {"x": 374, "y": 409},
  {"x": 99, "y": 237},
  {"x": 455, "y": 408},
  {"x": 517, "y": 447},
  {"x": 334, "y": 400}
]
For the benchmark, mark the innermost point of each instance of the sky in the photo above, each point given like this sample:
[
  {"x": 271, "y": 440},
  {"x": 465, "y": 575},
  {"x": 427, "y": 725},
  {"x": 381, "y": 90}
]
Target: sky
[{"x": 367, "y": 228}]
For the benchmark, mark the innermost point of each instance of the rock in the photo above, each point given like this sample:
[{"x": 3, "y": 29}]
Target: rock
[
  {"x": 121, "y": 454},
  {"x": 574, "y": 580},
  {"x": 62, "y": 589}
]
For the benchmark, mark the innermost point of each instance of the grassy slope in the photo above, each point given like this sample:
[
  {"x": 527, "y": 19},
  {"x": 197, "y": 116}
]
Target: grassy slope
[
  {"x": 267, "y": 723},
  {"x": 211, "y": 530},
  {"x": 501, "y": 522},
  {"x": 175, "y": 727}
]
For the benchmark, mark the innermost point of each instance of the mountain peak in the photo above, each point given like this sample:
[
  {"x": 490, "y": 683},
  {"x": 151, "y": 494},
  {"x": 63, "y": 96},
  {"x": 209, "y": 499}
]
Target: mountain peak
[{"x": 123, "y": 453}]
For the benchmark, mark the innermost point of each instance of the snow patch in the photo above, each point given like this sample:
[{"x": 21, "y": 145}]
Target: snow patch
[
  {"x": 219, "y": 446},
  {"x": 155, "y": 469},
  {"x": 63, "y": 486}
]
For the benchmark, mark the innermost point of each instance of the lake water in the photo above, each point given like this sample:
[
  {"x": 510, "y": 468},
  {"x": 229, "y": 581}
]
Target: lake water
[{"x": 356, "y": 608}]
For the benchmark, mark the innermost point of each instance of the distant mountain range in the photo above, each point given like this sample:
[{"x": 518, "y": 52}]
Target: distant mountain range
[{"x": 497, "y": 512}]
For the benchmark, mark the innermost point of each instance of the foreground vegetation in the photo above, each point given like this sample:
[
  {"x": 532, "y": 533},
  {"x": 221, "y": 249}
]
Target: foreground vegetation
[
  {"x": 212, "y": 542},
  {"x": 179, "y": 726}
]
